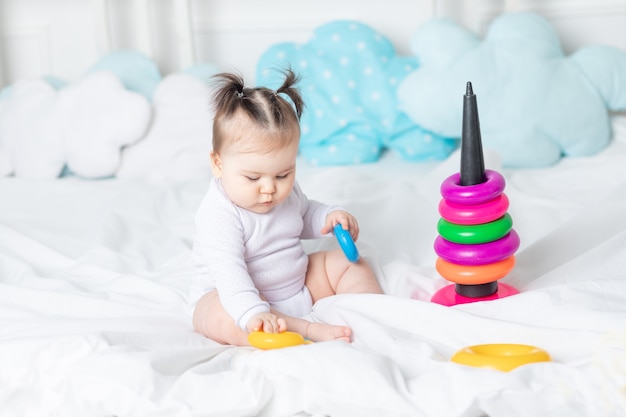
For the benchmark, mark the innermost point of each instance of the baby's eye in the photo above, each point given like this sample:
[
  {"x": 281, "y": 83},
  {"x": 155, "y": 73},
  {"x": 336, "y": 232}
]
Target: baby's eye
[
  {"x": 252, "y": 178},
  {"x": 282, "y": 177}
]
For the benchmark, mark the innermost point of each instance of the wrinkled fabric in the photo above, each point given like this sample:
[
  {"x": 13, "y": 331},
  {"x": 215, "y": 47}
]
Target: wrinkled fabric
[{"x": 94, "y": 280}]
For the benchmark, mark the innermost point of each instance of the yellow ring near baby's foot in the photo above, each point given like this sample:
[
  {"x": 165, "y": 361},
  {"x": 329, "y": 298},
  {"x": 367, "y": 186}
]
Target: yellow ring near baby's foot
[
  {"x": 264, "y": 340},
  {"x": 500, "y": 356}
]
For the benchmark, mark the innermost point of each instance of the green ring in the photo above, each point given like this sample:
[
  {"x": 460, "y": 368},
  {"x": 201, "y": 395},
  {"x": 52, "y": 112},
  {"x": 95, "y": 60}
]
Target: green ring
[{"x": 475, "y": 233}]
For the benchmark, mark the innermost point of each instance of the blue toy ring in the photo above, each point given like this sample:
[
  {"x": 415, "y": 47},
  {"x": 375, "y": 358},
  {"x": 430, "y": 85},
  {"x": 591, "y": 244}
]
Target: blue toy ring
[{"x": 346, "y": 243}]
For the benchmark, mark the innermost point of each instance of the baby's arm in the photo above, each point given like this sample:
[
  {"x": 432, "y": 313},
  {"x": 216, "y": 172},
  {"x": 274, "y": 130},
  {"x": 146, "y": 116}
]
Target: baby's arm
[{"x": 219, "y": 244}]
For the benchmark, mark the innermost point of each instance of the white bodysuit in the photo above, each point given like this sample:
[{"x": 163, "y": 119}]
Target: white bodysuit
[{"x": 243, "y": 254}]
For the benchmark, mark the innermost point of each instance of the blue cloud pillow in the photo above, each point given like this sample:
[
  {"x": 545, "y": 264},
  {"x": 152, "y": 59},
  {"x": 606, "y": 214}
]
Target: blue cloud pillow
[
  {"x": 536, "y": 104},
  {"x": 350, "y": 74}
]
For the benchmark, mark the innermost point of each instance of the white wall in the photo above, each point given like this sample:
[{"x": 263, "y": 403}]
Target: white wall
[
  {"x": 65, "y": 37},
  {"x": 578, "y": 22},
  {"x": 45, "y": 37}
]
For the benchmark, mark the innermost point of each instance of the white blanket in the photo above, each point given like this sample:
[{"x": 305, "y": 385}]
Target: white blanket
[{"x": 94, "y": 318}]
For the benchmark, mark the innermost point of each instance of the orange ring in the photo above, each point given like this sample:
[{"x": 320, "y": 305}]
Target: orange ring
[{"x": 474, "y": 274}]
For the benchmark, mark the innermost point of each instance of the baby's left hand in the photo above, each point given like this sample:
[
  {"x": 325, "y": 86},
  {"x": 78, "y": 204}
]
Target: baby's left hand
[{"x": 347, "y": 221}]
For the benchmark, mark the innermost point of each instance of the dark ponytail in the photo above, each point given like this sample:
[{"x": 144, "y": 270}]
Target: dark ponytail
[
  {"x": 229, "y": 88},
  {"x": 289, "y": 89}
]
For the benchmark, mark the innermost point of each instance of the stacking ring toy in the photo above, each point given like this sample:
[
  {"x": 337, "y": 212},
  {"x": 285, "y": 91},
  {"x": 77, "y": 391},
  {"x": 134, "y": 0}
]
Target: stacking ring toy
[
  {"x": 454, "y": 192},
  {"x": 346, "y": 243},
  {"x": 264, "y": 340},
  {"x": 475, "y": 233},
  {"x": 476, "y": 213},
  {"x": 502, "y": 357},
  {"x": 474, "y": 274},
  {"x": 480, "y": 254}
]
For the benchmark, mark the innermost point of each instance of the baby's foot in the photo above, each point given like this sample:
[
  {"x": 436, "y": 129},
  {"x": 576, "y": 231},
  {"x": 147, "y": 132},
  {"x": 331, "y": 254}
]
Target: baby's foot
[{"x": 319, "y": 332}]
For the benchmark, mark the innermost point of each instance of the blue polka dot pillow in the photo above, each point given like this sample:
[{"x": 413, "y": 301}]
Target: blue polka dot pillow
[{"x": 350, "y": 74}]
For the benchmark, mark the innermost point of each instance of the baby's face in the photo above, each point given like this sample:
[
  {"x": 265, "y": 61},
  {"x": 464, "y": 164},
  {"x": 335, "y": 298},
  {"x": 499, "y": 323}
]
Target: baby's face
[{"x": 256, "y": 181}]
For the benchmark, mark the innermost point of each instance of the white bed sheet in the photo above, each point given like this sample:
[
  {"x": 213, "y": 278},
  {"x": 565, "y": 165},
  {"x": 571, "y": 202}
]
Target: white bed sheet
[{"x": 94, "y": 318}]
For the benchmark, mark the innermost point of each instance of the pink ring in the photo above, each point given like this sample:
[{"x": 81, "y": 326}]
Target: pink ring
[
  {"x": 475, "y": 213},
  {"x": 447, "y": 296},
  {"x": 480, "y": 254},
  {"x": 453, "y": 192}
]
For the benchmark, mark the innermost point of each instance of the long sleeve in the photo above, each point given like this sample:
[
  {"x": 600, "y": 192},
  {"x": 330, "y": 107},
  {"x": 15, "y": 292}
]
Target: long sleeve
[{"x": 219, "y": 249}]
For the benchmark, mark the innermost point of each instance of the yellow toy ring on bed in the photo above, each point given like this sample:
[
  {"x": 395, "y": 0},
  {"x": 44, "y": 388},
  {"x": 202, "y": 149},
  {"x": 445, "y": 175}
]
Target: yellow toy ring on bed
[
  {"x": 264, "y": 340},
  {"x": 500, "y": 356}
]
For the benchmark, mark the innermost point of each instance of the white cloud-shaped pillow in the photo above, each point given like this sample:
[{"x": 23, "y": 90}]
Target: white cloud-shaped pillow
[
  {"x": 178, "y": 143},
  {"x": 83, "y": 125},
  {"x": 99, "y": 118}
]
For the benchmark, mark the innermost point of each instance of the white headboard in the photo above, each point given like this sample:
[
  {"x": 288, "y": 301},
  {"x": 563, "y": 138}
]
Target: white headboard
[{"x": 65, "y": 37}]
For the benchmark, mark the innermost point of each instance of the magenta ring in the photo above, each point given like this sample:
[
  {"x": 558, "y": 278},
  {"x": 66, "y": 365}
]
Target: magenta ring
[
  {"x": 453, "y": 192},
  {"x": 480, "y": 254},
  {"x": 475, "y": 213}
]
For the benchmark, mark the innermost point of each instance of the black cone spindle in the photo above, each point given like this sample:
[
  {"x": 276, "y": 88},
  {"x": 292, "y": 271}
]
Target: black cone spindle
[
  {"x": 472, "y": 172},
  {"x": 472, "y": 161}
]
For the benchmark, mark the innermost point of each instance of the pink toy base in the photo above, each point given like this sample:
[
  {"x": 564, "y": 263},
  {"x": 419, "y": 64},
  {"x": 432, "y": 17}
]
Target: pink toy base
[{"x": 448, "y": 296}]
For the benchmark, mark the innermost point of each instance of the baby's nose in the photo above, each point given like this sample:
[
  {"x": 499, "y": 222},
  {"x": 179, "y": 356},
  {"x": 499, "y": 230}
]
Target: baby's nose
[{"x": 268, "y": 187}]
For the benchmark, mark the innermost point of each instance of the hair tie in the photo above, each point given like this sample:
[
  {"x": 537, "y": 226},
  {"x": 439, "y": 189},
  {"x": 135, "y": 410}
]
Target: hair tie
[{"x": 240, "y": 94}]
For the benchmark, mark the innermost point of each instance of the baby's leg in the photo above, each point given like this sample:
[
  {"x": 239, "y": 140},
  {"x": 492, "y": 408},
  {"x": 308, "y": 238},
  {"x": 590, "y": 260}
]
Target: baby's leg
[
  {"x": 330, "y": 273},
  {"x": 317, "y": 332},
  {"x": 211, "y": 319}
]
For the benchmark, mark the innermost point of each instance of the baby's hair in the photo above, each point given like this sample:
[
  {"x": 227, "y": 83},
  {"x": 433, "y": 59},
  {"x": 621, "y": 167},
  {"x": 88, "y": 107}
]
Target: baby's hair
[{"x": 263, "y": 107}]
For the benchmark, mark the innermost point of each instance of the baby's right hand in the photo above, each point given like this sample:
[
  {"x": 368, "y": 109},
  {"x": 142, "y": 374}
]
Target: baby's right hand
[{"x": 267, "y": 322}]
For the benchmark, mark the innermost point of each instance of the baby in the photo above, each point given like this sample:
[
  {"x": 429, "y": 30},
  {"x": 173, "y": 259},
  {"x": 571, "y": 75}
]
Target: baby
[{"x": 252, "y": 270}]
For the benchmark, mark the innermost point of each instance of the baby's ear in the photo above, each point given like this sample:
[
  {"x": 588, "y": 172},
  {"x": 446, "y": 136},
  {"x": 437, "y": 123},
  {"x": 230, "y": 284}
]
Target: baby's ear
[{"x": 216, "y": 164}]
